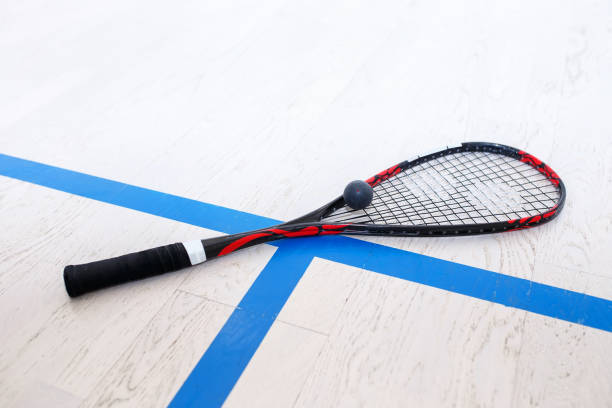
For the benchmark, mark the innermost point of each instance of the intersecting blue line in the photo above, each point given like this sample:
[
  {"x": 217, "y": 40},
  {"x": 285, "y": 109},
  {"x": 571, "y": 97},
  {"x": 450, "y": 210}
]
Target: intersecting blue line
[
  {"x": 216, "y": 373},
  {"x": 213, "y": 378}
]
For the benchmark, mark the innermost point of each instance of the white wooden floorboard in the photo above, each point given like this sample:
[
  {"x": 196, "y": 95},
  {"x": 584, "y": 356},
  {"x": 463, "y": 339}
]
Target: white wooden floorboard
[
  {"x": 226, "y": 280},
  {"x": 277, "y": 372},
  {"x": 396, "y": 344},
  {"x": 71, "y": 344},
  {"x": 391, "y": 334},
  {"x": 37, "y": 394},
  {"x": 562, "y": 364},
  {"x": 152, "y": 368},
  {"x": 318, "y": 300}
]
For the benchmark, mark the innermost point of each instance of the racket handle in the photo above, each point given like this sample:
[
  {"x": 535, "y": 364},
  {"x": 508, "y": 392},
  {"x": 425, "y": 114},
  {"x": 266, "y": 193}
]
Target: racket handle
[{"x": 80, "y": 279}]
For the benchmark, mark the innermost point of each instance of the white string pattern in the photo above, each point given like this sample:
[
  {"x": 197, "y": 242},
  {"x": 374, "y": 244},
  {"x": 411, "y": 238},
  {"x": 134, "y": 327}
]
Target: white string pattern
[{"x": 462, "y": 188}]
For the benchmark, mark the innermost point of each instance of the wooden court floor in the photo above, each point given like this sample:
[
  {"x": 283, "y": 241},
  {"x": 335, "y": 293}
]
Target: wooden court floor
[{"x": 127, "y": 124}]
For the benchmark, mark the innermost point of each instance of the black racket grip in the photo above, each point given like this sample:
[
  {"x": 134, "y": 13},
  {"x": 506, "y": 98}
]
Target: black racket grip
[{"x": 80, "y": 279}]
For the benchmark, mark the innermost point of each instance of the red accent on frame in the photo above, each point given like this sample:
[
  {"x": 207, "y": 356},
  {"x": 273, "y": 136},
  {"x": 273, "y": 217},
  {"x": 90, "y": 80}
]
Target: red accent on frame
[
  {"x": 240, "y": 242},
  {"x": 335, "y": 229},
  {"x": 329, "y": 226},
  {"x": 527, "y": 158},
  {"x": 383, "y": 175},
  {"x": 304, "y": 232},
  {"x": 549, "y": 173},
  {"x": 330, "y": 232},
  {"x": 550, "y": 213},
  {"x": 528, "y": 222},
  {"x": 540, "y": 166}
]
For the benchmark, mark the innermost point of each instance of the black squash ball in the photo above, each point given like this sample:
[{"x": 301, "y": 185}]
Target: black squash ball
[{"x": 358, "y": 194}]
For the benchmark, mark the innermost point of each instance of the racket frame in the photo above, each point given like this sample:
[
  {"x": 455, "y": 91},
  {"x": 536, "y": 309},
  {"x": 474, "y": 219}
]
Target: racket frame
[
  {"x": 85, "y": 278},
  {"x": 312, "y": 223}
]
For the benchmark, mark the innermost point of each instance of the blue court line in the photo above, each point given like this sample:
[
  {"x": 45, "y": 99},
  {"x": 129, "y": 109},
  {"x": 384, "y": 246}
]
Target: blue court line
[
  {"x": 502, "y": 289},
  {"x": 212, "y": 379},
  {"x": 479, "y": 283},
  {"x": 136, "y": 198}
]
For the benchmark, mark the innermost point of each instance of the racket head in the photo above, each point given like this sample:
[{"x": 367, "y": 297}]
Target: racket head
[{"x": 474, "y": 188}]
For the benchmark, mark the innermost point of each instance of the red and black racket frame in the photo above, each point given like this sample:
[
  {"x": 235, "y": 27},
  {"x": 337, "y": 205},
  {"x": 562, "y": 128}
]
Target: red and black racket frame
[
  {"x": 311, "y": 224},
  {"x": 80, "y": 279}
]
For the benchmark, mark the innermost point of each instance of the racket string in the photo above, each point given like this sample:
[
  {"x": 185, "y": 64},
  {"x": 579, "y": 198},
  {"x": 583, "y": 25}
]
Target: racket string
[{"x": 457, "y": 189}]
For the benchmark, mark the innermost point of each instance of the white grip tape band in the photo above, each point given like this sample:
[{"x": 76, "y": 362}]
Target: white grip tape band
[{"x": 195, "y": 250}]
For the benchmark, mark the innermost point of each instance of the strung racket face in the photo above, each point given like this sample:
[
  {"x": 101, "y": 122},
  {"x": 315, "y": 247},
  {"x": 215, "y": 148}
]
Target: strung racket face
[{"x": 473, "y": 188}]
